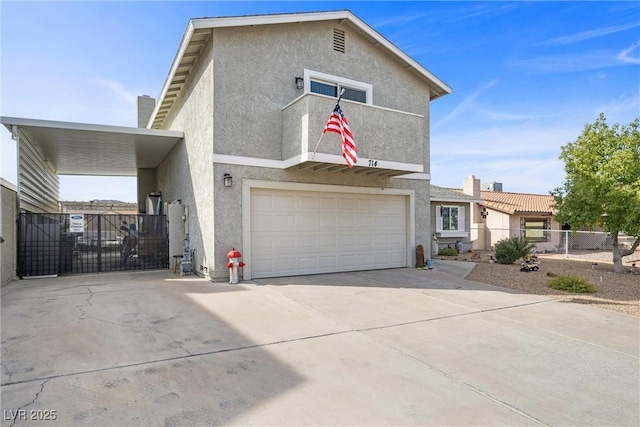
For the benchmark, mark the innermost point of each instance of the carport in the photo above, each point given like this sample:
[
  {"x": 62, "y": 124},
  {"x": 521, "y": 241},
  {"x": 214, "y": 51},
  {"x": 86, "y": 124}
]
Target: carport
[{"x": 48, "y": 148}]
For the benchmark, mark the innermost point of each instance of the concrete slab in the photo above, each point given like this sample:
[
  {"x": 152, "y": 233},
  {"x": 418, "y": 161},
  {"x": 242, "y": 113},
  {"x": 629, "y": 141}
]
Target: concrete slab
[{"x": 388, "y": 347}]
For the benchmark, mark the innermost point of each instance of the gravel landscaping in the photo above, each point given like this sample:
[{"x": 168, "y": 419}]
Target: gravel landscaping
[{"x": 614, "y": 291}]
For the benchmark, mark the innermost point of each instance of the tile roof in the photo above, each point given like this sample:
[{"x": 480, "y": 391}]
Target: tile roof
[
  {"x": 517, "y": 202},
  {"x": 511, "y": 203}
]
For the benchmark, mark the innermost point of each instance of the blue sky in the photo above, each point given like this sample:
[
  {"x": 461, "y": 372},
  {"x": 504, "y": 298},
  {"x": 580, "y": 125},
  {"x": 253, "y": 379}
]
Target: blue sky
[{"x": 526, "y": 76}]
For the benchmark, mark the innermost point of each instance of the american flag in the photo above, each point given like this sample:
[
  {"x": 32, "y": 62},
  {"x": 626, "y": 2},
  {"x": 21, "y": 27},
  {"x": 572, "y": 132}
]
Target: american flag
[{"x": 338, "y": 123}]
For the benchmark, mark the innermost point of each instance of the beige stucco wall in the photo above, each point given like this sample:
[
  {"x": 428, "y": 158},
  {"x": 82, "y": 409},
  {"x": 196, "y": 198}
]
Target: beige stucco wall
[
  {"x": 187, "y": 172},
  {"x": 9, "y": 233},
  {"x": 255, "y": 68},
  {"x": 233, "y": 105}
]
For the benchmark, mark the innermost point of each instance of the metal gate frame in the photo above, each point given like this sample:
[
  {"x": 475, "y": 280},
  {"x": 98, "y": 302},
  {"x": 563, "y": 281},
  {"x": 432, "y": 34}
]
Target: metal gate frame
[{"x": 110, "y": 242}]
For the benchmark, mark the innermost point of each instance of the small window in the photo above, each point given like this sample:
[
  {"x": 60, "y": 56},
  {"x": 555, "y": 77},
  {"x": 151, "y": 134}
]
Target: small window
[
  {"x": 324, "y": 89},
  {"x": 329, "y": 89},
  {"x": 330, "y": 85},
  {"x": 355, "y": 95},
  {"x": 535, "y": 229},
  {"x": 450, "y": 219}
]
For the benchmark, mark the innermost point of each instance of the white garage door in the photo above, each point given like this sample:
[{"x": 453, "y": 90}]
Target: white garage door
[{"x": 304, "y": 232}]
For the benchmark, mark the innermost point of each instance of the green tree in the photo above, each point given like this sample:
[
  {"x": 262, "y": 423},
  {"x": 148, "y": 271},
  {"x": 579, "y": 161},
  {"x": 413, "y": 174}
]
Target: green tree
[{"x": 602, "y": 183}]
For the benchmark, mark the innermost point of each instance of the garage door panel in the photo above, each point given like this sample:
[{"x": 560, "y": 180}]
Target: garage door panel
[
  {"x": 303, "y": 232},
  {"x": 307, "y": 221},
  {"x": 327, "y": 222},
  {"x": 284, "y": 202},
  {"x": 307, "y": 203},
  {"x": 328, "y": 203},
  {"x": 307, "y": 241}
]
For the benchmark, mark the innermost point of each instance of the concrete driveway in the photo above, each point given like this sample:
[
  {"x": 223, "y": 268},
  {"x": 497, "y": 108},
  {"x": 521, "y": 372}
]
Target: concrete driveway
[{"x": 389, "y": 347}]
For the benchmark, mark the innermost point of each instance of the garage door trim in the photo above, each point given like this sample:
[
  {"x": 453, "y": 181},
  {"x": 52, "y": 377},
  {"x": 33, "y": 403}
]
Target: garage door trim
[{"x": 248, "y": 184}]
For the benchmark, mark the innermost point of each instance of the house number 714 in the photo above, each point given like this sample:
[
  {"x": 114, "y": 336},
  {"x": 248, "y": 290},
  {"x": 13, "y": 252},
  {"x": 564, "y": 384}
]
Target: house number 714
[{"x": 373, "y": 163}]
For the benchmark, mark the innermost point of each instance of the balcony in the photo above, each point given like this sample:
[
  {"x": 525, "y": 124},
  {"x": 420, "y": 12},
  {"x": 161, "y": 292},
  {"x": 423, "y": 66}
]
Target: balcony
[{"x": 389, "y": 142}]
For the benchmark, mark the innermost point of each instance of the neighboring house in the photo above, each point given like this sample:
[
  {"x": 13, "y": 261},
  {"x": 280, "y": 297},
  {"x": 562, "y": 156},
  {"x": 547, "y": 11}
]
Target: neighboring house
[
  {"x": 454, "y": 218},
  {"x": 501, "y": 215},
  {"x": 524, "y": 214},
  {"x": 233, "y": 137}
]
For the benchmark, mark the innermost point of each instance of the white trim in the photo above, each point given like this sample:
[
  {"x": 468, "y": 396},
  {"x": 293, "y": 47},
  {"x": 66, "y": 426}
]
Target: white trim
[
  {"x": 329, "y": 78},
  {"x": 307, "y": 156},
  {"x": 88, "y": 127},
  {"x": 446, "y": 234},
  {"x": 417, "y": 176},
  {"x": 248, "y": 184},
  {"x": 453, "y": 200}
]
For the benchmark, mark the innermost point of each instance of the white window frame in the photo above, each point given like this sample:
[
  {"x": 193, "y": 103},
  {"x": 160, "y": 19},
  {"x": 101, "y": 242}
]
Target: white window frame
[
  {"x": 461, "y": 231},
  {"x": 335, "y": 80}
]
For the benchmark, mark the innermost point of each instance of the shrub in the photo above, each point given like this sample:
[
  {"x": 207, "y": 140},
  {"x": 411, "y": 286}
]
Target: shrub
[
  {"x": 574, "y": 284},
  {"x": 447, "y": 252},
  {"x": 509, "y": 250}
]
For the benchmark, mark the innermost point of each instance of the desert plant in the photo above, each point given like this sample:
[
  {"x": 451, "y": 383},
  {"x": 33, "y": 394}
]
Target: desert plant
[
  {"x": 447, "y": 252},
  {"x": 574, "y": 284},
  {"x": 509, "y": 250}
]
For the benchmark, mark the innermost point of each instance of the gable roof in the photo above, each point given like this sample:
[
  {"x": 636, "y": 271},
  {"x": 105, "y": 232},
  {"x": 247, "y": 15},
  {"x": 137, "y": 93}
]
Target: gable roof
[
  {"x": 199, "y": 30},
  {"x": 512, "y": 203}
]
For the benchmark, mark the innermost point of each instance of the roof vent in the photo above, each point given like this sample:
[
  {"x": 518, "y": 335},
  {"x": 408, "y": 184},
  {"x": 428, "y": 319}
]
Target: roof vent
[{"x": 338, "y": 40}]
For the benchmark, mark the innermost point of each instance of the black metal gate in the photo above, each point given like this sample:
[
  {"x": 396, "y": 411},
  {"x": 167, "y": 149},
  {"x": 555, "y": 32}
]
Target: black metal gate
[{"x": 48, "y": 245}]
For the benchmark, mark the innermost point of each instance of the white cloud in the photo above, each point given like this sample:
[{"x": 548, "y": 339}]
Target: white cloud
[
  {"x": 568, "y": 63},
  {"x": 626, "y": 54},
  {"x": 586, "y": 35},
  {"x": 466, "y": 104}
]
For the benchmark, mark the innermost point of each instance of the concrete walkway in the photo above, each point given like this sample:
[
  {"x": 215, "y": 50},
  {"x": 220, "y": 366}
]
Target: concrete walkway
[{"x": 387, "y": 347}]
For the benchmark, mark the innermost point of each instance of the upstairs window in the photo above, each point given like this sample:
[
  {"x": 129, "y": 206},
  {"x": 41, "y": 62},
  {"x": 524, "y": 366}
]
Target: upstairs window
[
  {"x": 328, "y": 85},
  {"x": 330, "y": 89}
]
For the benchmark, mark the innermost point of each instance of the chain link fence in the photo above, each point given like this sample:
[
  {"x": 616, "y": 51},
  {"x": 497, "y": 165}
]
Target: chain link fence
[{"x": 586, "y": 245}]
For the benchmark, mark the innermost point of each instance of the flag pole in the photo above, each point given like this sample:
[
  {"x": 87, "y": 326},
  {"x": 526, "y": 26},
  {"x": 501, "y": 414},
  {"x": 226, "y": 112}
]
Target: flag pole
[{"x": 313, "y": 156}]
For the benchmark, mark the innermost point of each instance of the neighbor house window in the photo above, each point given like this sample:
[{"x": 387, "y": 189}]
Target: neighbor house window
[
  {"x": 450, "y": 219},
  {"x": 535, "y": 229},
  {"x": 326, "y": 84}
]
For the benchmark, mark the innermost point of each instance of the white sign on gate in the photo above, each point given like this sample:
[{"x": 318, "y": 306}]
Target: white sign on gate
[{"x": 76, "y": 223}]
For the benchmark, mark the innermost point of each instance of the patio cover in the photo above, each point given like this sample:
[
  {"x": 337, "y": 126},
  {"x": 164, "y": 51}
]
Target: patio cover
[{"x": 89, "y": 149}]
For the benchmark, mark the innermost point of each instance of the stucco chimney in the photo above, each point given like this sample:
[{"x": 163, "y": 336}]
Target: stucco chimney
[
  {"x": 471, "y": 186},
  {"x": 146, "y": 104}
]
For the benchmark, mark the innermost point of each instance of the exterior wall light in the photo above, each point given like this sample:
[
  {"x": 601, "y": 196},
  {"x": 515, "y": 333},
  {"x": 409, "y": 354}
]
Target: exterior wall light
[
  {"x": 484, "y": 213},
  {"x": 299, "y": 83},
  {"x": 228, "y": 180}
]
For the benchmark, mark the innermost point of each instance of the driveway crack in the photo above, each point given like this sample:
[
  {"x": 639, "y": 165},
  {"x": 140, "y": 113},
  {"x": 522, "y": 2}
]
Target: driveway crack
[{"x": 32, "y": 402}]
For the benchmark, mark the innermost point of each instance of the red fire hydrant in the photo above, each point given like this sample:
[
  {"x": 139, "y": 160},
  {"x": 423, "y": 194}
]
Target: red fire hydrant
[{"x": 234, "y": 265}]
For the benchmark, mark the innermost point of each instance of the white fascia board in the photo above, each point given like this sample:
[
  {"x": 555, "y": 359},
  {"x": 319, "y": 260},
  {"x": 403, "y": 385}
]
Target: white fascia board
[
  {"x": 416, "y": 176},
  {"x": 309, "y": 157},
  {"x": 454, "y": 200},
  {"x": 22, "y": 122},
  {"x": 286, "y": 18},
  {"x": 184, "y": 44}
]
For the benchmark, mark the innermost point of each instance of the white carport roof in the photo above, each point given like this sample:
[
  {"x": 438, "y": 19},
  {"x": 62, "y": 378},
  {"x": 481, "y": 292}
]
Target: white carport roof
[{"x": 89, "y": 149}]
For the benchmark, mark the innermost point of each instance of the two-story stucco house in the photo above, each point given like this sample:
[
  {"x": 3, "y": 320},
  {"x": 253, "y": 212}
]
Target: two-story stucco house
[
  {"x": 252, "y": 95},
  {"x": 233, "y": 136}
]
